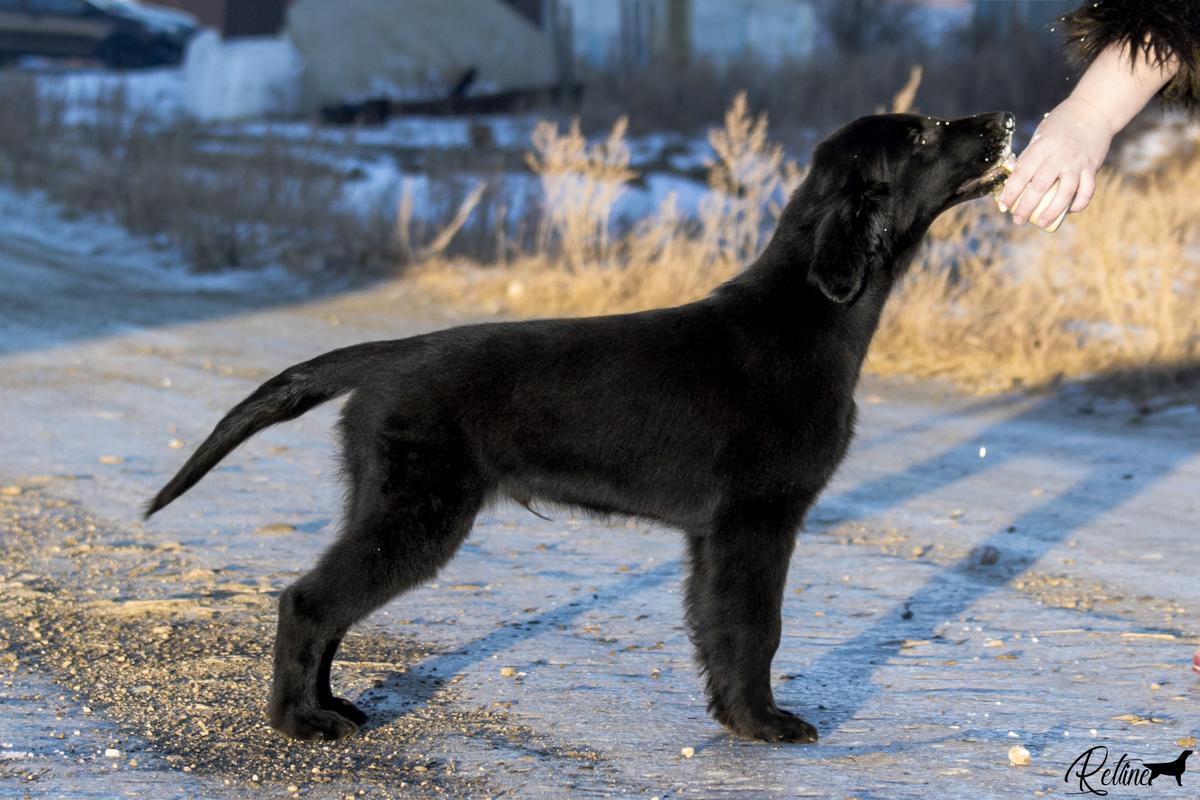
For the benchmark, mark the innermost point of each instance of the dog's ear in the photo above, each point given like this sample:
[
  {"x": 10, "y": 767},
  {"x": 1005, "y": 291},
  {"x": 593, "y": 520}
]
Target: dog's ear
[{"x": 851, "y": 241}]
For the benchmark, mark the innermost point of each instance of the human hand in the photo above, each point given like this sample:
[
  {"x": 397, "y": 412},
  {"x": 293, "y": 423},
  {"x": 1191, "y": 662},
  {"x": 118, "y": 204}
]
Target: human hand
[{"x": 1068, "y": 147}]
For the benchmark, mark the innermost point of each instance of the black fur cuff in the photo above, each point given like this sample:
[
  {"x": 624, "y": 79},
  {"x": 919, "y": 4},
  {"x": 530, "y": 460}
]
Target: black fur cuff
[{"x": 1173, "y": 27}]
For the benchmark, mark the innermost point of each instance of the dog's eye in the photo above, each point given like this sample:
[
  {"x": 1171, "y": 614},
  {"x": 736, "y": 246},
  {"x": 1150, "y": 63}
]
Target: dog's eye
[{"x": 918, "y": 137}]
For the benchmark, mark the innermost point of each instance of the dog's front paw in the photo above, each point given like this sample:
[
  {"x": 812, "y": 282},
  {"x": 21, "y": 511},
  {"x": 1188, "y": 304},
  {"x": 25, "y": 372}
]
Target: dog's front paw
[
  {"x": 346, "y": 709},
  {"x": 773, "y": 725},
  {"x": 313, "y": 723}
]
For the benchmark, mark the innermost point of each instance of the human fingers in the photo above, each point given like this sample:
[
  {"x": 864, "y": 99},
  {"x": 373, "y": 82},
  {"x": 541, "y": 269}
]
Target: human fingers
[
  {"x": 1068, "y": 182},
  {"x": 1087, "y": 188},
  {"x": 1027, "y": 166},
  {"x": 1035, "y": 190}
]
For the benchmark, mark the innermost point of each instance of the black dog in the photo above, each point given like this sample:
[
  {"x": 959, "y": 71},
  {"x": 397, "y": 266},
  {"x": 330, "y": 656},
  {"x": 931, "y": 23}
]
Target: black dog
[
  {"x": 723, "y": 418},
  {"x": 1174, "y": 768}
]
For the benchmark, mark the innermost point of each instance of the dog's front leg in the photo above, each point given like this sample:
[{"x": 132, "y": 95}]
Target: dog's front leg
[{"x": 734, "y": 599}]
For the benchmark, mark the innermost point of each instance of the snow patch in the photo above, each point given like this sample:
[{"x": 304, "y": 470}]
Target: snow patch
[
  {"x": 154, "y": 93},
  {"x": 245, "y": 78}
]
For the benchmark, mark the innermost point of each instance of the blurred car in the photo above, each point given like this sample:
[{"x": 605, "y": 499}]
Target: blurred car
[{"x": 121, "y": 33}]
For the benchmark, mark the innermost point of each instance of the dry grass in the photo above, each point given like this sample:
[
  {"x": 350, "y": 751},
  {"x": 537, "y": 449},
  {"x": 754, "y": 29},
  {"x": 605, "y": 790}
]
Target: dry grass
[
  {"x": 1116, "y": 289},
  {"x": 986, "y": 305},
  {"x": 575, "y": 268}
]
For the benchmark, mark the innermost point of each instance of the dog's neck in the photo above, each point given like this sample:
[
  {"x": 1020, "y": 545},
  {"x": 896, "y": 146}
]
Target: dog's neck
[{"x": 777, "y": 285}]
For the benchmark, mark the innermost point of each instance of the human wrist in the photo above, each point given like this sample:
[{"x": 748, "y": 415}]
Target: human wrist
[
  {"x": 1092, "y": 113},
  {"x": 1119, "y": 84}
]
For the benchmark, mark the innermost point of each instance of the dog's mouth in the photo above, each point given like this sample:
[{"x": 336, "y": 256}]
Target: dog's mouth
[{"x": 1002, "y": 164}]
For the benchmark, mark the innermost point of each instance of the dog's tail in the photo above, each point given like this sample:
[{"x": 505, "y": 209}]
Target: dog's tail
[{"x": 289, "y": 394}]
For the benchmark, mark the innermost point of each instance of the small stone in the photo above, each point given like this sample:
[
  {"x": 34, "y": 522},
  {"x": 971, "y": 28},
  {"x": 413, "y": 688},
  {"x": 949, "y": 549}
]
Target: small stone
[
  {"x": 112, "y": 460},
  {"x": 275, "y": 529},
  {"x": 987, "y": 555},
  {"x": 687, "y": 752},
  {"x": 508, "y": 672},
  {"x": 1018, "y": 756},
  {"x": 112, "y": 752},
  {"x": 175, "y": 444},
  {"x": 10, "y": 491}
]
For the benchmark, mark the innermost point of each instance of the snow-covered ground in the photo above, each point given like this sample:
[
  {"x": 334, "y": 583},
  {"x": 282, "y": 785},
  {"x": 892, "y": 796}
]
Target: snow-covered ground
[
  {"x": 157, "y": 93},
  {"x": 981, "y": 574},
  {"x": 380, "y": 160}
]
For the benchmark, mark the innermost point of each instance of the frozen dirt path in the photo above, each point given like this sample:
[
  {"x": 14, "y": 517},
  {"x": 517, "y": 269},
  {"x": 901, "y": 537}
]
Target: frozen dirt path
[{"x": 980, "y": 574}]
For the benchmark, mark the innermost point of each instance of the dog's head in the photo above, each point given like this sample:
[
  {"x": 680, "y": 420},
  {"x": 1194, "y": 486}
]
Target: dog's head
[{"x": 877, "y": 184}]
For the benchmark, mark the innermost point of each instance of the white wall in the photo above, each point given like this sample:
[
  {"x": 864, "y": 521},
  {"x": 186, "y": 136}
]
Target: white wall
[{"x": 242, "y": 78}]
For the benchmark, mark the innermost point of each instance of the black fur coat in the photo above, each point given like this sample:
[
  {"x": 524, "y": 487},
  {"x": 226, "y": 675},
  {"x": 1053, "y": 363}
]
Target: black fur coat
[{"x": 1173, "y": 28}]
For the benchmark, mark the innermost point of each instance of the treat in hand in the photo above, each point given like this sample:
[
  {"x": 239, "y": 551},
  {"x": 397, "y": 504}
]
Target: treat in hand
[{"x": 1010, "y": 163}]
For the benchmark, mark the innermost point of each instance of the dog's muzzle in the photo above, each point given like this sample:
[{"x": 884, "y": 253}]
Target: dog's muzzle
[{"x": 1000, "y": 162}]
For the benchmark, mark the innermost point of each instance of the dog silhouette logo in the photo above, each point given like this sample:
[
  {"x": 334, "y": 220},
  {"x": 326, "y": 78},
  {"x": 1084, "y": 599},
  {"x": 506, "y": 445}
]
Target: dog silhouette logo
[
  {"x": 1174, "y": 768},
  {"x": 1093, "y": 771}
]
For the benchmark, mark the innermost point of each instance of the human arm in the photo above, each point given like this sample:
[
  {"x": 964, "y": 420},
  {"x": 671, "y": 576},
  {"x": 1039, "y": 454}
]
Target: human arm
[
  {"x": 1071, "y": 142},
  {"x": 1130, "y": 46}
]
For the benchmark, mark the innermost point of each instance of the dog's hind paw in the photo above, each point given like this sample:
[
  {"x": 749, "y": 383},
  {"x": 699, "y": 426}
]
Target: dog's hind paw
[
  {"x": 314, "y": 723},
  {"x": 347, "y": 709},
  {"x": 775, "y": 725}
]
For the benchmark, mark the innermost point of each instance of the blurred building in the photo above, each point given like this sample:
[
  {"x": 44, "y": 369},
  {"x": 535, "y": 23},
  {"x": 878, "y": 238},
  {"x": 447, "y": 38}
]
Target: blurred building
[
  {"x": 232, "y": 18},
  {"x": 356, "y": 50},
  {"x": 536, "y": 11},
  {"x": 617, "y": 33},
  {"x": 601, "y": 33}
]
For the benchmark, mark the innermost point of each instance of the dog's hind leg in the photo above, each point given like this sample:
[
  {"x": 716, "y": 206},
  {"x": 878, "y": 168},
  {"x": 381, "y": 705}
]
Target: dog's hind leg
[
  {"x": 404, "y": 523},
  {"x": 734, "y": 598},
  {"x": 325, "y": 697}
]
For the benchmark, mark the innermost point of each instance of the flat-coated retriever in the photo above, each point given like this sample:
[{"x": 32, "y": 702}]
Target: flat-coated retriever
[{"x": 724, "y": 418}]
